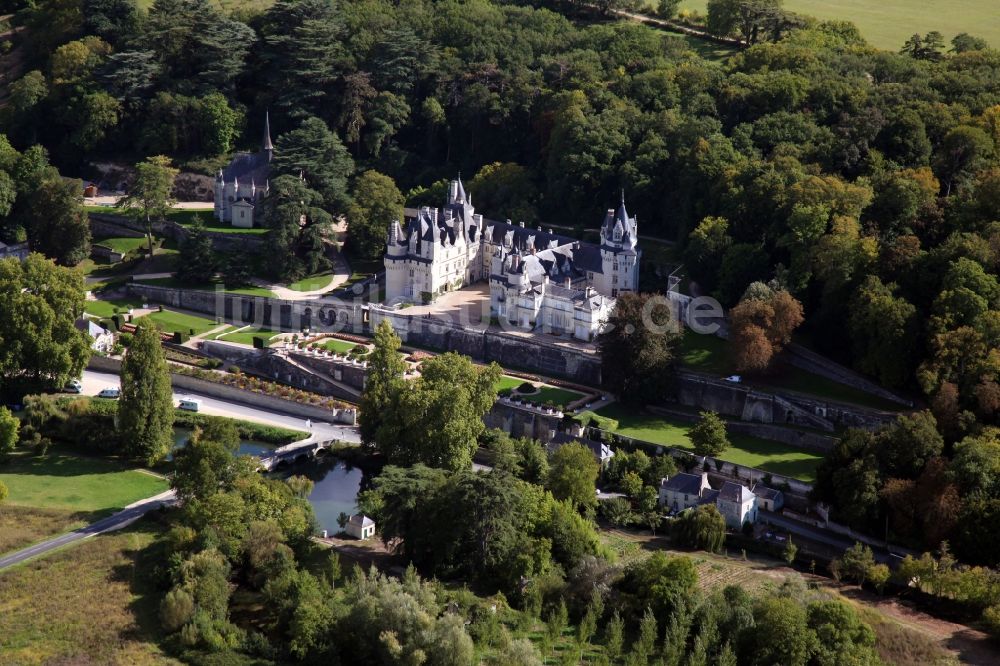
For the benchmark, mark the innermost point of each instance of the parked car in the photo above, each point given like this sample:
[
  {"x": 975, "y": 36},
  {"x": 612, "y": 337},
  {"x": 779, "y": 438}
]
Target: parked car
[
  {"x": 112, "y": 393},
  {"x": 73, "y": 386}
]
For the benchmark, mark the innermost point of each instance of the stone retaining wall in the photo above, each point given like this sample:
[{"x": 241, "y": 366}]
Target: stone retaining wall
[
  {"x": 232, "y": 394},
  {"x": 818, "y": 364},
  {"x": 508, "y": 350},
  {"x": 812, "y": 441},
  {"x": 751, "y": 404}
]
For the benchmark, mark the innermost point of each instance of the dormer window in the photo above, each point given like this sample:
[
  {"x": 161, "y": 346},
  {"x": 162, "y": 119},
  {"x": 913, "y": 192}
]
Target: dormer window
[{"x": 618, "y": 234}]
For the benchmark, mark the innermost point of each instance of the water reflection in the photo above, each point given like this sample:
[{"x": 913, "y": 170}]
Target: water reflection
[
  {"x": 248, "y": 447},
  {"x": 336, "y": 489}
]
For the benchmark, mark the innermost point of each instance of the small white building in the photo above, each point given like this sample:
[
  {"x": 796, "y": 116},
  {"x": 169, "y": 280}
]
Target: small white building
[
  {"x": 101, "y": 339},
  {"x": 737, "y": 505},
  {"x": 736, "y": 502},
  {"x": 360, "y": 526}
]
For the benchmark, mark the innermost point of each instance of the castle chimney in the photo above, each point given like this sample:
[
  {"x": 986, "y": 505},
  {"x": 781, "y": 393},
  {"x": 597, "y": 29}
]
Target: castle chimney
[{"x": 568, "y": 282}]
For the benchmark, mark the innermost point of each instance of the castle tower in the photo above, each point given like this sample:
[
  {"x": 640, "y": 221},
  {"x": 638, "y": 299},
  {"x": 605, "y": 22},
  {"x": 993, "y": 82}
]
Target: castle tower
[
  {"x": 619, "y": 253},
  {"x": 220, "y": 196},
  {"x": 268, "y": 146}
]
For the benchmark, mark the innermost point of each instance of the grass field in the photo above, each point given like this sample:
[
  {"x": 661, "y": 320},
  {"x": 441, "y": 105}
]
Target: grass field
[
  {"x": 186, "y": 217},
  {"x": 312, "y": 283},
  {"x": 744, "y": 450},
  {"x": 889, "y": 23},
  {"x": 90, "y": 604},
  {"x": 64, "y": 481},
  {"x": 245, "y": 337},
  {"x": 22, "y": 526},
  {"x": 171, "y": 321}
]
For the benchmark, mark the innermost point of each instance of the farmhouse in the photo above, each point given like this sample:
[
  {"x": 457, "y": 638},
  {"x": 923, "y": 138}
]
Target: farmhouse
[
  {"x": 537, "y": 278},
  {"x": 736, "y": 502}
]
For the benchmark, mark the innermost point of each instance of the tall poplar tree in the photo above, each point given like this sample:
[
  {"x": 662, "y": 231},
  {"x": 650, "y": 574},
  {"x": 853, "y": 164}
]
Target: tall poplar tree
[
  {"x": 385, "y": 371},
  {"x": 146, "y": 410}
]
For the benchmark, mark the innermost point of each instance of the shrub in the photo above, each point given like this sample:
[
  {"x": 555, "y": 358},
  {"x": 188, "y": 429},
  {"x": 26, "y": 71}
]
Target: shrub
[
  {"x": 235, "y": 369},
  {"x": 180, "y": 337},
  {"x": 526, "y": 387},
  {"x": 108, "y": 324},
  {"x": 210, "y": 363},
  {"x": 259, "y": 342}
]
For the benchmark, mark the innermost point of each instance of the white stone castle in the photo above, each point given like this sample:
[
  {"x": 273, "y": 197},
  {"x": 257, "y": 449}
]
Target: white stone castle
[
  {"x": 538, "y": 279},
  {"x": 241, "y": 185}
]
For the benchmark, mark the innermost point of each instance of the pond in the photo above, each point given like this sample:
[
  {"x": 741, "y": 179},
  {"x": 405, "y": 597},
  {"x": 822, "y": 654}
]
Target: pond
[
  {"x": 248, "y": 447},
  {"x": 336, "y": 489}
]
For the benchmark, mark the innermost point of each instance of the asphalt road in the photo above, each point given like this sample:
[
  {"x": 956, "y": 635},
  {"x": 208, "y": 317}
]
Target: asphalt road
[
  {"x": 94, "y": 382},
  {"x": 116, "y": 521}
]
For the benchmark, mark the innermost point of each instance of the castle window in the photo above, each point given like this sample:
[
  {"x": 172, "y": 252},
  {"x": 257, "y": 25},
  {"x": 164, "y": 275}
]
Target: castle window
[{"x": 618, "y": 234}]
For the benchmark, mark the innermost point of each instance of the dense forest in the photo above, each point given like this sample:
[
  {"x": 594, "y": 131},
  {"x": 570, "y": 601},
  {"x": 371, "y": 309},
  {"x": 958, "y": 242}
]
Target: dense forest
[{"x": 865, "y": 183}]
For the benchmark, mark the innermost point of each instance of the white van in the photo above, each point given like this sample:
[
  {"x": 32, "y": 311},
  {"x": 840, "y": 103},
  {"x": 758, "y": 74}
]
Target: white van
[
  {"x": 190, "y": 404},
  {"x": 113, "y": 393}
]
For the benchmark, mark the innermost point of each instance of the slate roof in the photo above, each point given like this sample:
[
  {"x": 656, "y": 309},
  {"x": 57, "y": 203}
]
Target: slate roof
[
  {"x": 247, "y": 167},
  {"x": 361, "y": 520},
  {"x": 689, "y": 484},
  {"x": 766, "y": 493},
  {"x": 735, "y": 493}
]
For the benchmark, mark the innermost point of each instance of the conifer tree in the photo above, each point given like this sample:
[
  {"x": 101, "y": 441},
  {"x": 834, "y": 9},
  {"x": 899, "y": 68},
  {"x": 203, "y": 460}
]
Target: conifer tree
[{"x": 146, "y": 410}]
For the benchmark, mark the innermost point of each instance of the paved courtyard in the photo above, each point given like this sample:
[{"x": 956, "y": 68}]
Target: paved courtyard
[{"x": 471, "y": 307}]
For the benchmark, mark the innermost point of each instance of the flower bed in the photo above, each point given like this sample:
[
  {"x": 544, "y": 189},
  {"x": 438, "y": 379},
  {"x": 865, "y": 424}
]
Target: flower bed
[{"x": 262, "y": 386}]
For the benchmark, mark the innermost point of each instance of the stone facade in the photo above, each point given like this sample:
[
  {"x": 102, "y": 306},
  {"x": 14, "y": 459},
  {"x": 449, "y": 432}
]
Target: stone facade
[
  {"x": 537, "y": 278},
  {"x": 243, "y": 183}
]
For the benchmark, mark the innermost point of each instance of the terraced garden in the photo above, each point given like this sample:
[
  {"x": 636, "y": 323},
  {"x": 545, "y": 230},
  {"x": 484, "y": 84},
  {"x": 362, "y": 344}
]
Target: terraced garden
[
  {"x": 544, "y": 394},
  {"x": 170, "y": 321}
]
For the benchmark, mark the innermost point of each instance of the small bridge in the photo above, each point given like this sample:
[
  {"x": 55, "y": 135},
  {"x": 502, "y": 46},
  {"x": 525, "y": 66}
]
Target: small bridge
[{"x": 295, "y": 452}]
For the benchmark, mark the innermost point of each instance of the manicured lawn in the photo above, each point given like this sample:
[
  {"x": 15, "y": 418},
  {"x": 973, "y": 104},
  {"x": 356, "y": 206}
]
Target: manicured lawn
[
  {"x": 338, "y": 346},
  {"x": 246, "y": 336},
  {"x": 123, "y": 245},
  {"x": 312, "y": 283},
  {"x": 507, "y": 382},
  {"x": 174, "y": 283},
  {"x": 745, "y": 450},
  {"x": 889, "y": 23},
  {"x": 186, "y": 218},
  {"x": 64, "y": 481},
  {"x": 705, "y": 353},
  {"x": 545, "y": 394},
  {"x": 93, "y": 603},
  {"x": 171, "y": 321},
  {"x": 110, "y": 307}
]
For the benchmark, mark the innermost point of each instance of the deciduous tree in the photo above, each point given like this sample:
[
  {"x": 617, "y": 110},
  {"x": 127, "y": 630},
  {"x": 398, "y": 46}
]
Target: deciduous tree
[{"x": 151, "y": 195}]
